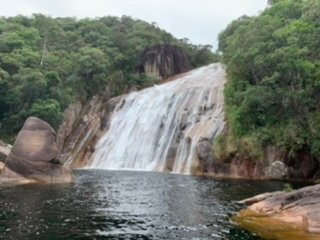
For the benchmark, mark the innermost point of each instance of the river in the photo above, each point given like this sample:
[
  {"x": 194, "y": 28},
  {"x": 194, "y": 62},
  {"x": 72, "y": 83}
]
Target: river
[{"x": 104, "y": 204}]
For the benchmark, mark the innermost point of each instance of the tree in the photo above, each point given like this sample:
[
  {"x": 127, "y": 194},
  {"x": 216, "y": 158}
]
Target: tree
[
  {"x": 273, "y": 67},
  {"x": 92, "y": 68},
  {"x": 47, "y": 63},
  {"x": 48, "y": 110}
]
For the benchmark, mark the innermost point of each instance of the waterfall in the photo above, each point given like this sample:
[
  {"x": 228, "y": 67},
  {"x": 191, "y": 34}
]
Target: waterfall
[{"x": 158, "y": 128}]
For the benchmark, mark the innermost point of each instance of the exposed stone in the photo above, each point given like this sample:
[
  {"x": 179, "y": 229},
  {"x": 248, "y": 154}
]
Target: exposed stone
[
  {"x": 277, "y": 170},
  {"x": 78, "y": 132},
  {"x": 71, "y": 115},
  {"x": 80, "y": 129},
  {"x": 282, "y": 215},
  {"x": 34, "y": 155},
  {"x": 162, "y": 61}
]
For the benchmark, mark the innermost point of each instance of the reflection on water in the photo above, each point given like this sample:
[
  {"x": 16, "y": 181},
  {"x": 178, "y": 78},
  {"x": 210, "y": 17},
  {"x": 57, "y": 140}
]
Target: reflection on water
[{"x": 127, "y": 205}]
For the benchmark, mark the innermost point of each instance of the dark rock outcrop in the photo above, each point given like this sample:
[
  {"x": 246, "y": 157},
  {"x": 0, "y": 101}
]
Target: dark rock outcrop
[
  {"x": 283, "y": 215},
  {"x": 33, "y": 157},
  {"x": 303, "y": 166},
  {"x": 274, "y": 164},
  {"x": 162, "y": 61},
  {"x": 205, "y": 154}
]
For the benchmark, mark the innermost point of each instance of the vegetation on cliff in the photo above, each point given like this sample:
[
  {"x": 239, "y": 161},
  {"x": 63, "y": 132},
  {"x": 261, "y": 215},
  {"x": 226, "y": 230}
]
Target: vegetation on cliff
[
  {"x": 47, "y": 63},
  {"x": 273, "y": 93}
]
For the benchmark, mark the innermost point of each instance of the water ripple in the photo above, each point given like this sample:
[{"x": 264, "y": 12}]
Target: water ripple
[{"x": 127, "y": 205}]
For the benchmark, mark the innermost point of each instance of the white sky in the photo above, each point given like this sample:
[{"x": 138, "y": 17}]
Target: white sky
[{"x": 199, "y": 20}]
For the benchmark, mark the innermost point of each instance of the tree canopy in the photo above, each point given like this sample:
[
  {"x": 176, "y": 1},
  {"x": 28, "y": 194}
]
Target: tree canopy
[
  {"x": 46, "y": 63},
  {"x": 273, "y": 63}
]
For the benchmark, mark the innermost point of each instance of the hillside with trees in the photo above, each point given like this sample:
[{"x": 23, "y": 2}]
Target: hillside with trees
[
  {"x": 273, "y": 92},
  {"x": 47, "y": 63}
]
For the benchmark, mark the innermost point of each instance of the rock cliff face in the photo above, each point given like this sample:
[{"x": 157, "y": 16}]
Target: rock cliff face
[
  {"x": 162, "y": 61},
  {"x": 241, "y": 166},
  {"x": 81, "y": 127},
  {"x": 283, "y": 216},
  {"x": 276, "y": 164},
  {"x": 33, "y": 157}
]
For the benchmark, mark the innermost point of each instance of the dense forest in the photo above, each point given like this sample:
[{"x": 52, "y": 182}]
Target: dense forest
[
  {"x": 47, "y": 63},
  {"x": 273, "y": 92}
]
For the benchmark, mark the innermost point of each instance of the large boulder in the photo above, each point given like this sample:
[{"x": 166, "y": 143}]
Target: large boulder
[
  {"x": 162, "y": 61},
  {"x": 283, "y": 215},
  {"x": 34, "y": 155}
]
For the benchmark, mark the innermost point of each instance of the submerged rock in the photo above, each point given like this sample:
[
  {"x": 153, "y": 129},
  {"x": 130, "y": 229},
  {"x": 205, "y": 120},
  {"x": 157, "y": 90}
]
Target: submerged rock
[
  {"x": 33, "y": 157},
  {"x": 282, "y": 215}
]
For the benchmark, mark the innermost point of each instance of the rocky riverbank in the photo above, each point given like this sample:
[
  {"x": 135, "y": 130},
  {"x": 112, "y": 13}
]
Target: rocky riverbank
[{"x": 283, "y": 215}]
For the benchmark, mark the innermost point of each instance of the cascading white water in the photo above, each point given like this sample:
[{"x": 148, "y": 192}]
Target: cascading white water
[{"x": 158, "y": 128}]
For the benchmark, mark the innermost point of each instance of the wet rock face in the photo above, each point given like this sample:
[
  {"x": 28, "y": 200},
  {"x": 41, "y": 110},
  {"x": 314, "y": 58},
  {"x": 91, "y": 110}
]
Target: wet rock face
[
  {"x": 205, "y": 154},
  {"x": 162, "y": 61},
  {"x": 34, "y": 155},
  {"x": 293, "y": 215},
  {"x": 80, "y": 129}
]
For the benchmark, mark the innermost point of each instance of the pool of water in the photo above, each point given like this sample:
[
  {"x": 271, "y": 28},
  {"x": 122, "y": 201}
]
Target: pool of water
[{"x": 127, "y": 205}]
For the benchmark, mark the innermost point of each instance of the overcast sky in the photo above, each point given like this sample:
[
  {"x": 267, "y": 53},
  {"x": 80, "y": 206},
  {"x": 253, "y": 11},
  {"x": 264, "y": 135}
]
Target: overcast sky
[{"x": 199, "y": 20}]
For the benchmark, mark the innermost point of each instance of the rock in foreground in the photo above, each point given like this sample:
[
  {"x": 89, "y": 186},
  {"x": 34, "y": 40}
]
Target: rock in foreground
[
  {"x": 33, "y": 157},
  {"x": 283, "y": 216}
]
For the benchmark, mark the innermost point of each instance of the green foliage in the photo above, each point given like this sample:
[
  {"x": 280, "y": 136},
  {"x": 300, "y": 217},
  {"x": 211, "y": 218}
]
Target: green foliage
[
  {"x": 48, "y": 110},
  {"x": 288, "y": 188},
  {"x": 92, "y": 67},
  {"x": 47, "y": 63},
  {"x": 273, "y": 93}
]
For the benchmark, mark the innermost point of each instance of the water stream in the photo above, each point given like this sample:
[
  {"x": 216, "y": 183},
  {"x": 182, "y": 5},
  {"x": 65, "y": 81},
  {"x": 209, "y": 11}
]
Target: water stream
[{"x": 158, "y": 129}]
